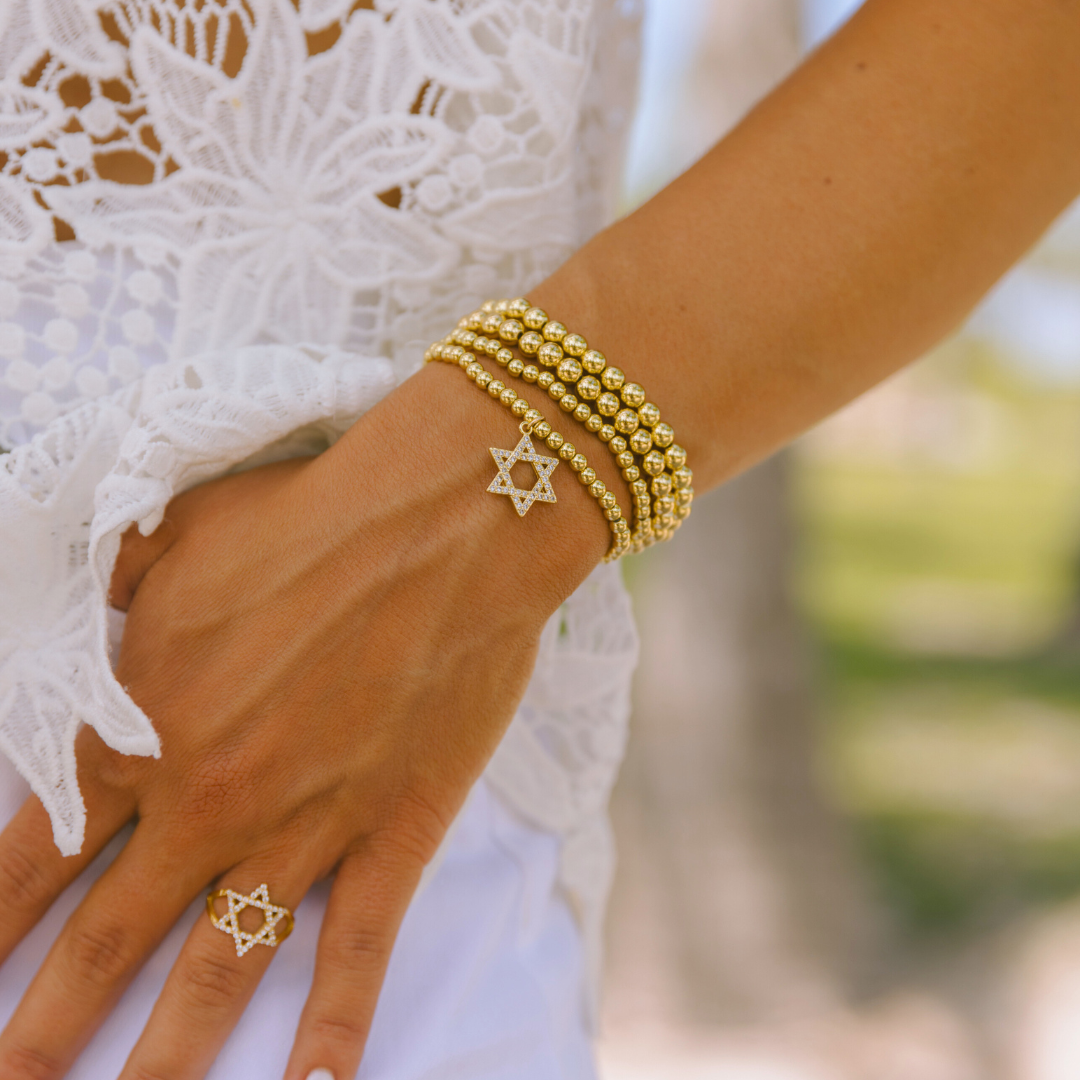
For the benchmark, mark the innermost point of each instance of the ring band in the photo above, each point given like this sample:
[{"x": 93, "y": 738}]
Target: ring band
[{"x": 270, "y": 933}]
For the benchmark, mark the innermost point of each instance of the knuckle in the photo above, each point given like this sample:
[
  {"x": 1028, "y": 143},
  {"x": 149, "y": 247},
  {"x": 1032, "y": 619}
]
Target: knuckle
[
  {"x": 136, "y": 1071},
  {"x": 359, "y": 949},
  {"x": 345, "y": 1031},
  {"x": 28, "y": 1063},
  {"x": 24, "y": 885},
  {"x": 100, "y": 953},
  {"x": 212, "y": 984}
]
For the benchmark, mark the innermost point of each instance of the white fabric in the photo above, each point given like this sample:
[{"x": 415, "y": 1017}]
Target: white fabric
[{"x": 364, "y": 178}]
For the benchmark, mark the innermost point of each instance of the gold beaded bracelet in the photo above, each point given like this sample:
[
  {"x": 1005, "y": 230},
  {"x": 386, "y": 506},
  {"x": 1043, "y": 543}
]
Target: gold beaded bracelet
[
  {"x": 533, "y": 422},
  {"x": 625, "y": 420}
]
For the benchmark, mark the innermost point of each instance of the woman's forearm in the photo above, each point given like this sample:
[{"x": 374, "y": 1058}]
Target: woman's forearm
[{"x": 850, "y": 221}]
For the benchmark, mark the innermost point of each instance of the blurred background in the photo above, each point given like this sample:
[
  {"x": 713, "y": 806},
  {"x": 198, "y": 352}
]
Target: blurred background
[{"x": 849, "y": 822}]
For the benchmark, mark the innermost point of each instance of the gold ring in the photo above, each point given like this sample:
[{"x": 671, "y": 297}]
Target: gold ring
[{"x": 270, "y": 933}]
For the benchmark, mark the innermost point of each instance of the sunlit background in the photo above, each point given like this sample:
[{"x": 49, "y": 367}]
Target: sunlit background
[{"x": 850, "y": 818}]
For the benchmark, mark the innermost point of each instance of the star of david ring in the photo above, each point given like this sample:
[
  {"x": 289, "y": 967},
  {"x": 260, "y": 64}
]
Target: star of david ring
[{"x": 277, "y": 921}]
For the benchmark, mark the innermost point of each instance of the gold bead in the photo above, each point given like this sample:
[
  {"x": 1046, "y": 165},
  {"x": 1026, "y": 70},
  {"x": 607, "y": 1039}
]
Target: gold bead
[
  {"x": 613, "y": 514},
  {"x": 627, "y": 421},
  {"x": 612, "y": 378},
  {"x": 542, "y": 430},
  {"x": 429, "y": 354},
  {"x": 593, "y": 422},
  {"x": 682, "y": 512},
  {"x": 641, "y": 441},
  {"x": 534, "y": 318},
  {"x": 567, "y": 451},
  {"x": 503, "y": 357},
  {"x": 554, "y": 331},
  {"x": 653, "y": 463},
  {"x": 495, "y": 387},
  {"x": 597, "y": 489},
  {"x": 622, "y": 528},
  {"x": 531, "y": 373},
  {"x": 608, "y": 500},
  {"x": 488, "y": 306},
  {"x": 663, "y": 435},
  {"x": 517, "y": 308},
  {"x": 682, "y": 478},
  {"x": 606, "y": 433},
  {"x": 508, "y": 396},
  {"x": 464, "y": 337},
  {"x": 639, "y": 487},
  {"x": 554, "y": 440},
  {"x": 568, "y": 403},
  {"x": 492, "y": 346},
  {"x": 624, "y": 460},
  {"x": 569, "y": 369},
  {"x": 556, "y": 390},
  {"x": 675, "y": 457},
  {"x": 550, "y": 354},
  {"x": 474, "y": 369},
  {"x": 545, "y": 379},
  {"x": 520, "y": 407},
  {"x": 648, "y": 413},
  {"x": 483, "y": 378},
  {"x": 501, "y": 306},
  {"x": 533, "y": 416},
  {"x": 476, "y": 320},
  {"x": 593, "y": 362},
  {"x": 530, "y": 343},
  {"x": 574, "y": 344},
  {"x": 661, "y": 486},
  {"x": 665, "y": 505},
  {"x": 684, "y": 497},
  {"x": 608, "y": 404},
  {"x": 631, "y": 474},
  {"x": 583, "y": 415},
  {"x": 589, "y": 388},
  {"x": 578, "y": 462},
  {"x": 515, "y": 366},
  {"x": 492, "y": 323},
  {"x": 466, "y": 359},
  {"x": 618, "y": 444},
  {"x": 633, "y": 394},
  {"x": 511, "y": 330}
]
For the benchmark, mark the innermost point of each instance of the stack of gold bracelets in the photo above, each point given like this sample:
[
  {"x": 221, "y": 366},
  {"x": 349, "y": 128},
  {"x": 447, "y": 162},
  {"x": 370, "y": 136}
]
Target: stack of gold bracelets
[{"x": 593, "y": 393}]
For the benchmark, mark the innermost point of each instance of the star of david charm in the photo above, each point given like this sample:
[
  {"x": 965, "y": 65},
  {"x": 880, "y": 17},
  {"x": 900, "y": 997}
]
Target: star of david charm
[
  {"x": 229, "y": 923},
  {"x": 503, "y": 484}
]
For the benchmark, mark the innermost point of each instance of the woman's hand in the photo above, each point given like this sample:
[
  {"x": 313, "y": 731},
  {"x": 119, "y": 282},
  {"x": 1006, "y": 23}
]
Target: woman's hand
[{"x": 330, "y": 650}]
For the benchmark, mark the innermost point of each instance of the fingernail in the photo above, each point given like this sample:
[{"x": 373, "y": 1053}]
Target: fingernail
[{"x": 320, "y": 1074}]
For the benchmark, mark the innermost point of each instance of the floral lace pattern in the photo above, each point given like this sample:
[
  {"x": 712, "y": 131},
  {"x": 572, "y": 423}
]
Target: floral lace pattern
[{"x": 189, "y": 188}]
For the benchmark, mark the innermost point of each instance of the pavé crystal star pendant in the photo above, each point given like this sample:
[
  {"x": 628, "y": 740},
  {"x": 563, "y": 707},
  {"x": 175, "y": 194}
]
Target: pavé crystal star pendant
[
  {"x": 503, "y": 484},
  {"x": 229, "y": 923}
]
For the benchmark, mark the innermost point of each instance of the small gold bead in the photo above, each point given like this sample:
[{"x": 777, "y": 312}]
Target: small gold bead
[
  {"x": 516, "y": 308},
  {"x": 495, "y": 387},
  {"x": 649, "y": 414},
  {"x": 684, "y": 497},
  {"x": 618, "y": 444},
  {"x": 465, "y": 337},
  {"x": 612, "y": 378},
  {"x": 608, "y": 499},
  {"x": 501, "y": 306},
  {"x": 503, "y": 357},
  {"x": 476, "y": 320},
  {"x": 493, "y": 322},
  {"x": 545, "y": 379},
  {"x": 488, "y": 306},
  {"x": 624, "y": 460},
  {"x": 597, "y": 489},
  {"x": 550, "y": 354},
  {"x": 575, "y": 344},
  {"x": 653, "y": 463},
  {"x": 606, "y": 433},
  {"x": 579, "y": 462},
  {"x": 542, "y": 430},
  {"x": 675, "y": 457},
  {"x": 639, "y": 487},
  {"x": 533, "y": 416},
  {"x": 665, "y": 505},
  {"x": 511, "y": 330},
  {"x": 534, "y": 318},
  {"x": 474, "y": 369},
  {"x": 623, "y": 528},
  {"x": 631, "y": 474},
  {"x": 554, "y": 440},
  {"x": 663, "y": 435},
  {"x": 608, "y": 404},
  {"x": 589, "y": 388},
  {"x": 520, "y": 407},
  {"x": 593, "y": 362},
  {"x": 530, "y": 343},
  {"x": 556, "y": 390},
  {"x": 633, "y": 394},
  {"x": 429, "y": 354},
  {"x": 568, "y": 403},
  {"x": 483, "y": 378},
  {"x": 508, "y": 396},
  {"x": 569, "y": 369},
  {"x": 567, "y": 451},
  {"x": 613, "y": 514},
  {"x": 682, "y": 512},
  {"x": 627, "y": 421},
  {"x": 466, "y": 359},
  {"x": 641, "y": 441},
  {"x": 515, "y": 367},
  {"x": 661, "y": 486},
  {"x": 531, "y": 373},
  {"x": 584, "y": 415},
  {"x": 554, "y": 331},
  {"x": 682, "y": 478}
]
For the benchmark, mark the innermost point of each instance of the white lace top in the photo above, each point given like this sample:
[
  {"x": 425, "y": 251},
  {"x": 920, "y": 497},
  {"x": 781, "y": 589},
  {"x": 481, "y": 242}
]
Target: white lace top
[{"x": 225, "y": 231}]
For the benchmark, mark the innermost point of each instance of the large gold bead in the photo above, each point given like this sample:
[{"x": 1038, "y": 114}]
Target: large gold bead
[
  {"x": 627, "y": 421},
  {"x": 554, "y": 331},
  {"x": 531, "y": 343},
  {"x": 594, "y": 422},
  {"x": 554, "y": 441},
  {"x": 650, "y": 414},
  {"x": 641, "y": 441},
  {"x": 568, "y": 403},
  {"x": 567, "y": 451},
  {"x": 531, "y": 373},
  {"x": 508, "y": 396},
  {"x": 661, "y": 486},
  {"x": 653, "y": 463},
  {"x": 612, "y": 378},
  {"x": 501, "y": 306},
  {"x": 517, "y": 308},
  {"x": 606, "y": 433},
  {"x": 569, "y": 369},
  {"x": 583, "y": 415},
  {"x": 589, "y": 388},
  {"x": 578, "y": 462},
  {"x": 475, "y": 321},
  {"x": 631, "y": 474},
  {"x": 633, "y": 394},
  {"x": 608, "y": 499},
  {"x": 575, "y": 344},
  {"x": 542, "y": 430},
  {"x": 597, "y": 489},
  {"x": 608, "y": 404},
  {"x": 495, "y": 387},
  {"x": 663, "y": 435},
  {"x": 675, "y": 457},
  {"x": 556, "y": 390},
  {"x": 545, "y": 379},
  {"x": 682, "y": 478},
  {"x": 511, "y": 330},
  {"x": 515, "y": 366},
  {"x": 483, "y": 378},
  {"x": 593, "y": 362},
  {"x": 535, "y": 318},
  {"x": 550, "y": 354}
]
